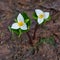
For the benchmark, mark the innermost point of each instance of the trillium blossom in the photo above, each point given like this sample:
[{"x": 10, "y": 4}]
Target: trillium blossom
[
  {"x": 41, "y": 15},
  {"x": 20, "y": 24}
]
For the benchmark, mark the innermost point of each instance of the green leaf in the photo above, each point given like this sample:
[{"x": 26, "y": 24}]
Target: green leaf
[
  {"x": 35, "y": 16},
  {"x": 16, "y": 20},
  {"x": 16, "y": 31},
  {"x": 9, "y": 28},
  {"x": 25, "y": 15},
  {"x": 27, "y": 20}
]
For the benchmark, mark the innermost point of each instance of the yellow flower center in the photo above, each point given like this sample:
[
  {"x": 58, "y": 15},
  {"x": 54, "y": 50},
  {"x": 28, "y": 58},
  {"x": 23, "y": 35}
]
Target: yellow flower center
[
  {"x": 41, "y": 16},
  {"x": 20, "y": 23}
]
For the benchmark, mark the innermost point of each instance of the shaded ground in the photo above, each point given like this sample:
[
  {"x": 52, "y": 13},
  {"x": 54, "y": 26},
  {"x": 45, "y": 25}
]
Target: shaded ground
[{"x": 19, "y": 48}]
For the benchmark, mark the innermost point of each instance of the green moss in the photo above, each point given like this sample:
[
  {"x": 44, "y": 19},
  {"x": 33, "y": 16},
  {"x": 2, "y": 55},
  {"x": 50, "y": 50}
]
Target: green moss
[{"x": 49, "y": 40}]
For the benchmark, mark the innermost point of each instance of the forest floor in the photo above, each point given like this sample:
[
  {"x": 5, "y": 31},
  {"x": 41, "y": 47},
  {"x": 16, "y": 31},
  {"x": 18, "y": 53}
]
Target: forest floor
[{"x": 19, "y": 48}]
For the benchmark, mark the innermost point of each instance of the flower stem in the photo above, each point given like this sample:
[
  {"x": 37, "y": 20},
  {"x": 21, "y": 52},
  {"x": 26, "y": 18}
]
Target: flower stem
[
  {"x": 30, "y": 40},
  {"x": 36, "y": 27},
  {"x": 19, "y": 33}
]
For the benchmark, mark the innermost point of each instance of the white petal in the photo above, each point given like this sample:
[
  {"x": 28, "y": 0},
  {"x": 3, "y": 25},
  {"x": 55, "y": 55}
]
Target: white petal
[
  {"x": 46, "y": 15},
  {"x": 38, "y": 12},
  {"x": 24, "y": 27},
  {"x": 15, "y": 26},
  {"x": 20, "y": 17},
  {"x": 40, "y": 20}
]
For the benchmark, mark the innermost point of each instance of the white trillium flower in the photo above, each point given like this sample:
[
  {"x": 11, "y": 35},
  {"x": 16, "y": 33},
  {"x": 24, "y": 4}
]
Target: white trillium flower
[
  {"x": 20, "y": 24},
  {"x": 41, "y": 15}
]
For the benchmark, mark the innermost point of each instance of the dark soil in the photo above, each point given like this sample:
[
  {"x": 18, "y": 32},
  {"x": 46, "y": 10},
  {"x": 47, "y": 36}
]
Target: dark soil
[{"x": 19, "y": 48}]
